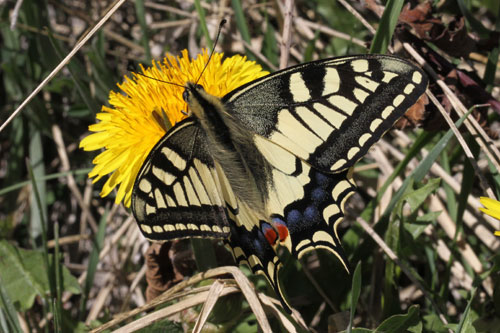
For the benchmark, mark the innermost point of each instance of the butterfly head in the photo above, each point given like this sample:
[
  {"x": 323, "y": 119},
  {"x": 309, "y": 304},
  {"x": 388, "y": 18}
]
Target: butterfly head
[{"x": 199, "y": 101}]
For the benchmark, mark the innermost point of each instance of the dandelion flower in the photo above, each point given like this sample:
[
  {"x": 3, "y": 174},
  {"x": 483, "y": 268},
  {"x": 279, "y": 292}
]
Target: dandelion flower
[
  {"x": 145, "y": 109},
  {"x": 491, "y": 208}
]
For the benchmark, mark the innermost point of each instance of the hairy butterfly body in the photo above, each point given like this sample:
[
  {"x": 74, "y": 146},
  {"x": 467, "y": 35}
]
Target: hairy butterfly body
[{"x": 271, "y": 162}]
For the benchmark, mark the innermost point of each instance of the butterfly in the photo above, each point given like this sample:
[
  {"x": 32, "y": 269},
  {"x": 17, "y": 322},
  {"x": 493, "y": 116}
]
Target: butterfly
[{"x": 270, "y": 163}]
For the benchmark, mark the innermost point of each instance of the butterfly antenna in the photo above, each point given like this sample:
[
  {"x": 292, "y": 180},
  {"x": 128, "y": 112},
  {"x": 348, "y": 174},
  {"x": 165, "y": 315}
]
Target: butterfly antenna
[
  {"x": 213, "y": 48},
  {"x": 152, "y": 78}
]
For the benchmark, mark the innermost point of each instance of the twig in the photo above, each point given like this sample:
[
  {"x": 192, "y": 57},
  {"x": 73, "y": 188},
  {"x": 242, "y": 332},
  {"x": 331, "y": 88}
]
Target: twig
[
  {"x": 286, "y": 41},
  {"x": 15, "y": 14}
]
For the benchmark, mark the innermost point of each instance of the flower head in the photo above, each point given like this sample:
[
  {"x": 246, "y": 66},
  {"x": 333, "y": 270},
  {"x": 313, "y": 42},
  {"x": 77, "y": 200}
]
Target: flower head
[
  {"x": 492, "y": 208},
  {"x": 146, "y": 108}
]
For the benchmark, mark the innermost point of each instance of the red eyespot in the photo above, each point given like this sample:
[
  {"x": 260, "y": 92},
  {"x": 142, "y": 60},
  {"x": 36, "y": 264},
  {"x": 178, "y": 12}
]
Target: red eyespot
[
  {"x": 282, "y": 231},
  {"x": 270, "y": 234}
]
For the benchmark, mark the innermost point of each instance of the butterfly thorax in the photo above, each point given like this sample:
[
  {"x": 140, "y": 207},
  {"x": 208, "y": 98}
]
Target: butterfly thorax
[{"x": 231, "y": 146}]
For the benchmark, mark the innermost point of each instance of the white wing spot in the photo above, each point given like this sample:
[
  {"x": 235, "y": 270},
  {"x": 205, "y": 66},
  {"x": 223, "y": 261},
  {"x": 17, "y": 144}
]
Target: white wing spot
[
  {"x": 329, "y": 211},
  {"x": 205, "y": 227},
  {"x": 162, "y": 175},
  {"x": 180, "y": 195},
  {"x": 191, "y": 194},
  {"x": 416, "y": 77},
  {"x": 170, "y": 201},
  {"x": 270, "y": 270},
  {"x": 360, "y": 94},
  {"x": 298, "y": 88},
  {"x": 157, "y": 229},
  {"x": 199, "y": 188},
  {"x": 207, "y": 179},
  {"x": 217, "y": 229},
  {"x": 318, "y": 125},
  {"x": 173, "y": 157},
  {"x": 360, "y": 65},
  {"x": 192, "y": 226},
  {"x": 150, "y": 209},
  {"x": 409, "y": 88},
  {"x": 398, "y": 100},
  {"x": 352, "y": 152},
  {"x": 375, "y": 124},
  {"x": 168, "y": 228},
  {"x": 335, "y": 118},
  {"x": 343, "y": 103},
  {"x": 364, "y": 138},
  {"x": 254, "y": 260},
  {"x": 387, "y": 111},
  {"x": 226, "y": 229},
  {"x": 366, "y": 83},
  {"x": 302, "y": 244},
  {"x": 388, "y": 76},
  {"x": 146, "y": 228},
  {"x": 340, "y": 188},
  {"x": 338, "y": 165},
  {"x": 238, "y": 252},
  {"x": 331, "y": 81},
  {"x": 145, "y": 185},
  {"x": 180, "y": 226},
  {"x": 322, "y": 236},
  {"x": 160, "y": 202}
]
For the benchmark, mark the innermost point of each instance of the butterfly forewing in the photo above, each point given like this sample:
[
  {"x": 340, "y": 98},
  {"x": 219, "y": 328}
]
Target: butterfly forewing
[
  {"x": 329, "y": 112},
  {"x": 177, "y": 192}
]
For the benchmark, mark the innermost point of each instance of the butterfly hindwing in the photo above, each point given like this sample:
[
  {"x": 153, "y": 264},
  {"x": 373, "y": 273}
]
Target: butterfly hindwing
[
  {"x": 304, "y": 205},
  {"x": 329, "y": 112},
  {"x": 177, "y": 193}
]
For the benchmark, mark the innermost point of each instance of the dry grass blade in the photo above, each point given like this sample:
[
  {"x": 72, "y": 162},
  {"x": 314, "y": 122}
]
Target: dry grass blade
[
  {"x": 251, "y": 296},
  {"x": 286, "y": 41},
  {"x": 213, "y": 295},
  {"x": 63, "y": 62},
  {"x": 266, "y": 300},
  {"x": 171, "y": 310},
  {"x": 61, "y": 149},
  {"x": 240, "y": 278}
]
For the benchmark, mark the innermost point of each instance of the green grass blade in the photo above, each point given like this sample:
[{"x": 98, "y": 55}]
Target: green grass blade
[
  {"x": 38, "y": 211},
  {"x": 8, "y": 309},
  {"x": 204, "y": 253},
  {"x": 241, "y": 23},
  {"x": 58, "y": 281},
  {"x": 48, "y": 266},
  {"x": 385, "y": 30},
  {"x": 44, "y": 178},
  {"x": 356, "y": 290},
  {"x": 492, "y": 64},
  {"x": 203, "y": 23},
  {"x": 465, "y": 323},
  {"x": 476, "y": 25},
  {"x": 141, "y": 18}
]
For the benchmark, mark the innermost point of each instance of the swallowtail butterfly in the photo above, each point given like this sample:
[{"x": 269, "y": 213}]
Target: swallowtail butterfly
[{"x": 271, "y": 162}]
